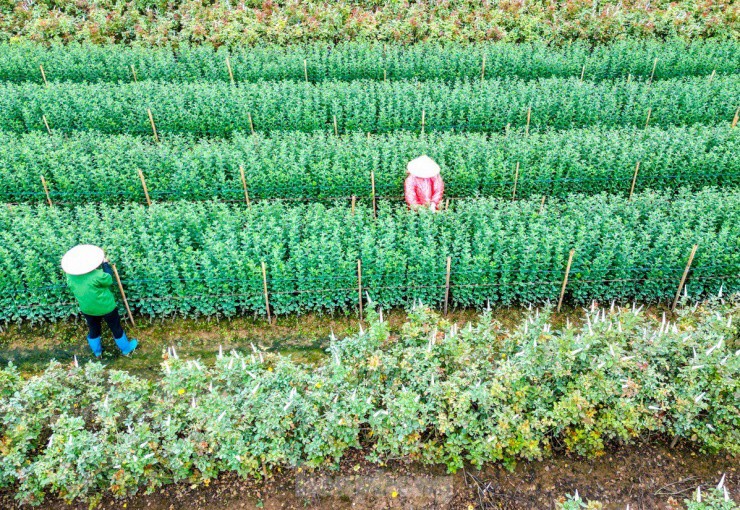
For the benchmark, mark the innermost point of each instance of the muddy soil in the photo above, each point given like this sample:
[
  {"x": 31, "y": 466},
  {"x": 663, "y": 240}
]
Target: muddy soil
[{"x": 644, "y": 476}]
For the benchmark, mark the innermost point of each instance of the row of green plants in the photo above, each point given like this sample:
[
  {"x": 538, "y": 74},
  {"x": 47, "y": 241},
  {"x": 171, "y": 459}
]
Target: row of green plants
[
  {"x": 86, "y": 166},
  {"x": 430, "y": 392},
  {"x": 204, "y": 258},
  {"x": 712, "y": 498},
  {"x": 362, "y": 60},
  {"x": 219, "y": 109},
  {"x": 255, "y": 22}
]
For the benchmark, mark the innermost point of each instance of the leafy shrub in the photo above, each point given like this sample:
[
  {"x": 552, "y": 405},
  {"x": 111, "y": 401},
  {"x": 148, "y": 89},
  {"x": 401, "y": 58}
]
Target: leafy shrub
[
  {"x": 83, "y": 167},
  {"x": 219, "y": 109},
  {"x": 363, "y": 60},
  {"x": 433, "y": 393},
  {"x": 205, "y": 258}
]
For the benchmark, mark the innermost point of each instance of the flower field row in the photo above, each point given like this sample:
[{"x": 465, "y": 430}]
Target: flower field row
[
  {"x": 204, "y": 258},
  {"x": 85, "y": 166},
  {"x": 219, "y": 109},
  {"x": 374, "y": 61},
  {"x": 432, "y": 393}
]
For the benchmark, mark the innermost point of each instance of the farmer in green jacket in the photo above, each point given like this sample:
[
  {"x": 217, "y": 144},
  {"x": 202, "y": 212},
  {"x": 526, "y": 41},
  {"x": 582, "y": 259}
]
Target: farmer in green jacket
[{"x": 89, "y": 276}]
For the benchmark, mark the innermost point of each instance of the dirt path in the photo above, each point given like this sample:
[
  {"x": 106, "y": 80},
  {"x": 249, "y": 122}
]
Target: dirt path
[{"x": 644, "y": 476}]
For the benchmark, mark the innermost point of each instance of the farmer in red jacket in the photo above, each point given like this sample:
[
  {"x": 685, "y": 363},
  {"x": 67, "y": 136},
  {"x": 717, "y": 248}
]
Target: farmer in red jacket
[
  {"x": 90, "y": 278},
  {"x": 424, "y": 186}
]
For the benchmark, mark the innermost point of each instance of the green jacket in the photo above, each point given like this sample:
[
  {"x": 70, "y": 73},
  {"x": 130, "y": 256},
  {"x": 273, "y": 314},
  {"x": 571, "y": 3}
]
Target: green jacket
[{"x": 93, "y": 292}]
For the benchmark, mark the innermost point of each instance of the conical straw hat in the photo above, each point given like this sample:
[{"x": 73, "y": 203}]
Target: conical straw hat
[
  {"x": 82, "y": 259},
  {"x": 423, "y": 166}
]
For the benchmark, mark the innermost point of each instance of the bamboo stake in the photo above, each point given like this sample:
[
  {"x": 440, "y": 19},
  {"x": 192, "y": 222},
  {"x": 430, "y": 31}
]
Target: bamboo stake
[
  {"x": 683, "y": 278},
  {"x": 133, "y": 72},
  {"x": 143, "y": 185},
  {"x": 353, "y": 204},
  {"x": 423, "y": 119},
  {"x": 650, "y": 81},
  {"x": 244, "y": 185},
  {"x": 154, "y": 127},
  {"x": 251, "y": 125},
  {"x": 231, "y": 72},
  {"x": 447, "y": 283},
  {"x": 372, "y": 182},
  {"x": 123, "y": 295},
  {"x": 267, "y": 296},
  {"x": 735, "y": 119},
  {"x": 634, "y": 180},
  {"x": 629, "y": 77},
  {"x": 359, "y": 284},
  {"x": 336, "y": 130},
  {"x": 516, "y": 179},
  {"x": 529, "y": 116},
  {"x": 305, "y": 69},
  {"x": 46, "y": 123},
  {"x": 43, "y": 74},
  {"x": 647, "y": 121},
  {"x": 711, "y": 76},
  {"x": 447, "y": 204},
  {"x": 542, "y": 204},
  {"x": 583, "y": 71},
  {"x": 565, "y": 278},
  {"x": 46, "y": 190},
  {"x": 483, "y": 68}
]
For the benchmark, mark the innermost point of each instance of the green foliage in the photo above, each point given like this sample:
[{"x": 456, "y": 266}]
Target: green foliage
[
  {"x": 219, "y": 109},
  {"x": 84, "y": 167},
  {"x": 432, "y": 393},
  {"x": 712, "y": 499},
  {"x": 362, "y": 60},
  {"x": 204, "y": 258}
]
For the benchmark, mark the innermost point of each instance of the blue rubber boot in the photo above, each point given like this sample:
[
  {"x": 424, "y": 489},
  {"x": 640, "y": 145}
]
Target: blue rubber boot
[
  {"x": 96, "y": 345},
  {"x": 127, "y": 346}
]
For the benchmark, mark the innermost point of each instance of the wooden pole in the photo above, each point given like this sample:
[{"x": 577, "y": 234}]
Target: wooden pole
[
  {"x": 43, "y": 74},
  {"x": 647, "y": 121},
  {"x": 336, "y": 130},
  {"x": 244, "y": 185},
  {"x": 711, "y": 76},
  {"x": 372, "y": 183},
  {"x": 516, "y": 179},
  {"x": 123, "y": 295},
  {"x": 683, "y": 278},
  {"x": 423, "y": 119},
  {"x": 154, "y": 127},
  {"x": 565, "y": 278},
  {"x": 629, "y": 77},
  {"x": 650, "y": 81},
  {"x": 529, "y": 116},
  {"x": 251, "y": 125},
  {"x": 735, "y": 119},
  {"x": 305, "y": 69},
  {"x": 133, "y": 72},
  {"x": 359, "y": 284},
  {"x": 447, "y": 283},
  {"x": 354, "y": 198},
  {"x": 46, "y": 190},
  {"x": 231, "y": 72},
  {"x": 143, "y": 185},
  {"x": 267, "y": 296},
  {"x": 483, "y": 68},
  {"x": 634, "y": 180},
  {"x": 46, "y": 123},
  {"x": 542, "y": 204}
]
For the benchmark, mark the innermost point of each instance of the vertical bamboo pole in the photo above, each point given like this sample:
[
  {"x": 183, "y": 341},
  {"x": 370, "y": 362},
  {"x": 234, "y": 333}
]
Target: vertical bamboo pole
[
  {"x": 683, "y": 278},
  {"x": 647, "y": 121},
  {"x": 447, "y": 283},
  {"x": 423, "y": 120},
  {"x": 143, "y": 185},
  {"x": 542, "y": 204},
  {"x": 46, "y": 123},
  {"x": 267, "y": 296},
  {"x": 354, "y": 198},
  {"x": 123, "y": 295},
  {"x": 629, "y": 77},
  {"x": 447, "y": 204},
  {"x": 634, "y": 180},
  {"x": 154, "y": 127},
  {"x": 516, "y": 179},
  {"x": 359, "y": 284},
  {"x": 336, "y": 130},
  {"x": 372, "y": 183},
  {"x": 711, "y": 76},
  {"x": 483, "y": 68},
  {"x": 565, "y": 278},
  {"x": 231, "y": 72},
  {"x": 251, "y": 125},
  {"x": 133, "y": 72},
  {"x": 652, "y": 73},
  {"x": 735, "y": 119},
  {"x": 46, "y": 190},
  {"x": 529, "y": 117},
  {"x": 244, "y": 185},
  {"x": 43, "y": 74}
]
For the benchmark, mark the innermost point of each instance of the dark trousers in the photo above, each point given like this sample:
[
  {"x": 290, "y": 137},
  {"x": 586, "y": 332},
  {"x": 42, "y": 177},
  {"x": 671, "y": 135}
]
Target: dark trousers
[{"x": 112, "y": 319}]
